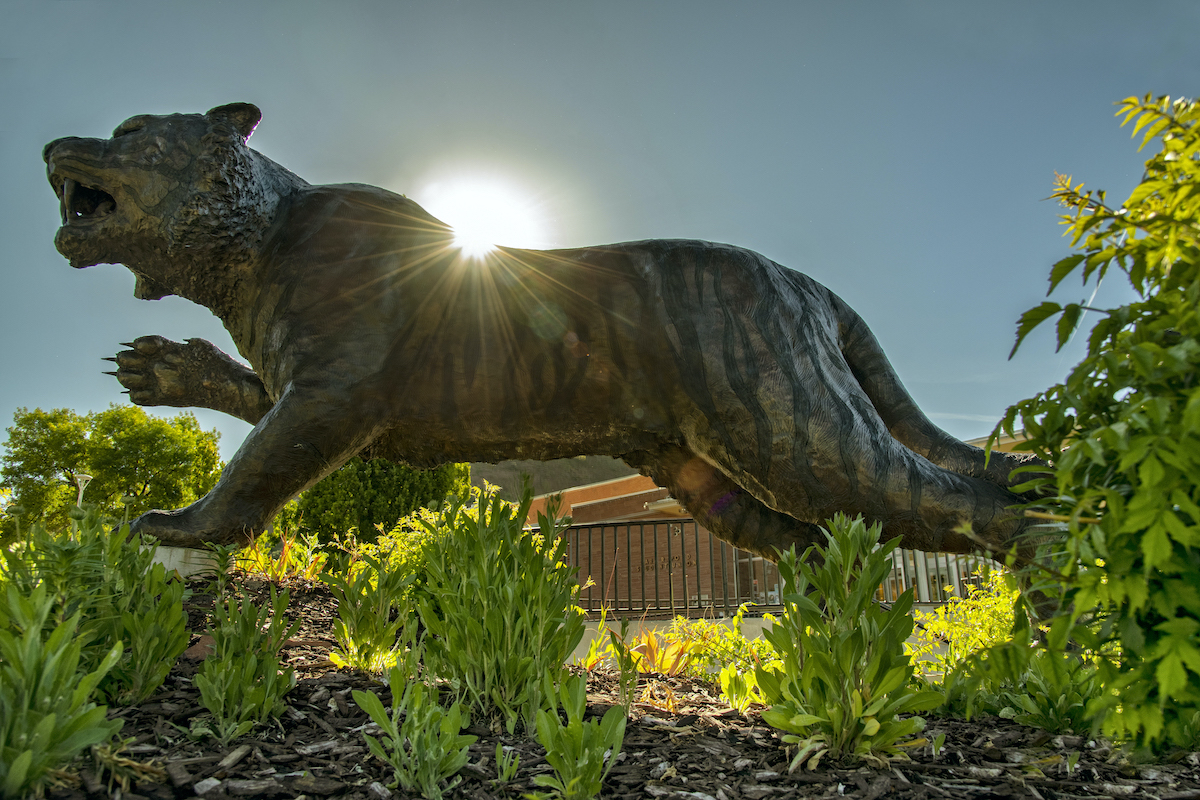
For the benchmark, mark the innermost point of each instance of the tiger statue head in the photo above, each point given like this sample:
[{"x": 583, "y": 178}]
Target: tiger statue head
[{"x": 179, "y": 199}]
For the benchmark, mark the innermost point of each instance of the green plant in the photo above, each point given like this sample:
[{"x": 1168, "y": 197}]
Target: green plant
[
  {"x": 1053, "y": 694},
  {"x": 296, "y": 557},
  {"x": 372, "y": 495},
  {"x": 375, "y": 617},
  {"x": 149, "y": 619},
  {"x": 242, "y": 683},
  {"x": 508, "y": 762},
  {"x": 499, "y": 607},
  {"x": 428, "y": 747},
  {"x": 581, "y": 752},
  {"x": 1035, "y": 686},
  {"x": 224, "y": 558},
  {"x": 1123, "y": 435},
  {"x": 716, "y": 643},
  {"x": 596, "y": 649},
  {"x": 845, "y": 676},
  {"x": 965, "y": 625},
  {"x": 120, "y": 594},
  {"x": 46, "y": 711},
  {"x": 739, "y": 689},
  {"x": 626, "y": 659}
]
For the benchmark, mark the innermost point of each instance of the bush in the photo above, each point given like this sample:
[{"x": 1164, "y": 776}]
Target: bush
[
  {"x": 46, "y": 711},
  {"x": 428, "y": 748},
  {"x": 845, "y": 677},
  {"x": 375, "y": 618},
  {"x": 1123, "y": 435},
  {"x": 717, "y": 644},
  {"x": 966, "y": 625},
  {"x": 499, "y": 607},
  {"x": 241, "y": 682},
  {"x": 373, "y": 495},
  {"x": 119, "y": 593}
]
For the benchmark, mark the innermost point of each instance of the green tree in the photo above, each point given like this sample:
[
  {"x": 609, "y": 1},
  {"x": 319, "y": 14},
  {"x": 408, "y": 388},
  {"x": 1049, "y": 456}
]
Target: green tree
[
  {"x": 1123, "y": 436},
  {"x": 366, "y": 494},
  {"x": 155, "y": 462}
]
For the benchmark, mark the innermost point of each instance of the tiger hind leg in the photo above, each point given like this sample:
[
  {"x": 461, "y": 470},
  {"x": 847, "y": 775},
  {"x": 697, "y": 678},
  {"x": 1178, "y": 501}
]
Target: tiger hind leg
[{"x": 723, "y": 507}]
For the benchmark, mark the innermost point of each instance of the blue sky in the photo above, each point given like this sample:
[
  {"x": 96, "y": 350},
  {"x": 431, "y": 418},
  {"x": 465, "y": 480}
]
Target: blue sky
[{"x": 898, "y": 152}]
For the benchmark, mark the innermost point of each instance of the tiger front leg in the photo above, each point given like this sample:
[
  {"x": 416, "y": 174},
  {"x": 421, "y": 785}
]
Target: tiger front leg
[
  {"x": 194, "y": 374},
  {"x": 303, "y": 438}
]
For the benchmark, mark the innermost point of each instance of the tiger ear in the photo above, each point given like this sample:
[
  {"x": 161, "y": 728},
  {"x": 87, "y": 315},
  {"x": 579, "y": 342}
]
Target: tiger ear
[{"x": 243, "y": 117}]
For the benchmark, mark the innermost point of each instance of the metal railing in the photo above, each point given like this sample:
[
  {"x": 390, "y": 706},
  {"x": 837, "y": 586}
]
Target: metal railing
[{"x": 675, "y": 567}]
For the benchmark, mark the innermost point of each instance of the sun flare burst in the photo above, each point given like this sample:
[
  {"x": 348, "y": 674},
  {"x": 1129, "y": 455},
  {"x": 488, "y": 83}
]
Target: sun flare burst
[{"x": 486, "y": 212}]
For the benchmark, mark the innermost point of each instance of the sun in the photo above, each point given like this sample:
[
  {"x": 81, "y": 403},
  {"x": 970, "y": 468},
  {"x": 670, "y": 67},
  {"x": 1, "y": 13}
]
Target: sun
[{"x": 485, "y": 212}]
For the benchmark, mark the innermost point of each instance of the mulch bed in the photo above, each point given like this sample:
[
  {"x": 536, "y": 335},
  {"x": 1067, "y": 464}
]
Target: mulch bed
[{"x": 697, "y": 749}]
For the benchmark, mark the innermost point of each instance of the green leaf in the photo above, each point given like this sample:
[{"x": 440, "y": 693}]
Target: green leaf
[
  {"x": 14, "y": 782},
  {"x": 1067, "y": 324},
  {"x": 1156, "y": 545},
  {"x": 1063, "y": 268},
  {"x": 1171, "y": 675},
  {"x": 1031, "y": 319}
]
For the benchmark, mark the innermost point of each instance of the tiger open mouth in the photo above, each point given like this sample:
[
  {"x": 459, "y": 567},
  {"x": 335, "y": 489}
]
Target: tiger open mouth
[{"x": 79, "y": 203}]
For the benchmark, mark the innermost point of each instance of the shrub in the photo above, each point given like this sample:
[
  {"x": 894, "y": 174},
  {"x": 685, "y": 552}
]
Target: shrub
[
  {"x": 375, "y": 617},
  {"x": 845, "y": 677},
  {"x": 966, "y": 625},
  {"x": 46, "y": 711},
  {"x": 499, "y": 607},
  {"x": 581, "y": 753},
  {"x": 119, "y": 593},
  {"x": 1123, "y": 435},
  {"x": 717, "y": 643},
  {"x": 428, "y": 747},
  {"x": 371, "y": 495},
  {"x": 241, "y": 682}
]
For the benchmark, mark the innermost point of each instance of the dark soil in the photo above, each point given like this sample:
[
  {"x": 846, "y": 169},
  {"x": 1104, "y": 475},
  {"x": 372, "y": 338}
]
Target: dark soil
[{"x": 687, "y": 744}]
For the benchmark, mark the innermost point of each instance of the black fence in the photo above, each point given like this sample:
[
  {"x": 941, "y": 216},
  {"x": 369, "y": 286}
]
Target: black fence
[{"x": 675, "y": 568}]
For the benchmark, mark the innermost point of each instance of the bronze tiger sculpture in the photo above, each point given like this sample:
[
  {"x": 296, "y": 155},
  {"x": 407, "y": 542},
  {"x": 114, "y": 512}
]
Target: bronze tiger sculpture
[{"x": 753, "y": 393}]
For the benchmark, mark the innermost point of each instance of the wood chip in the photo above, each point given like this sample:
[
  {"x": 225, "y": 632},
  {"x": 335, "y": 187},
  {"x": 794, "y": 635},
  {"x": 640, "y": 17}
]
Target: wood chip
[
  {"x": 313, "y": 784},
  {"x": 258, "y": 788},
  {"x": 313, "y": 749},
  {"x": 205, "y": 786},
  {"x": 232, "y": 760},
  {"x": 179, "y": 774}
]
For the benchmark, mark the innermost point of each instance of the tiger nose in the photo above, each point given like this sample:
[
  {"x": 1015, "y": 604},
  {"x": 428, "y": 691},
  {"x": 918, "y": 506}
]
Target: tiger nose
[{"x": 46, "y": 150}]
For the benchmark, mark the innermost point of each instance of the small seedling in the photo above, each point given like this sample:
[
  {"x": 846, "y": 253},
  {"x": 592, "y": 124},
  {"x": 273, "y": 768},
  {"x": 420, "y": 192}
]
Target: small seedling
[
  {"x": 581, "y": 753},
  {"x": 427, "y": 749},
  {"x": 740, "y": 689},
  {"x": 626, "y": 664},
  {"x": 507, "y": 763}
]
